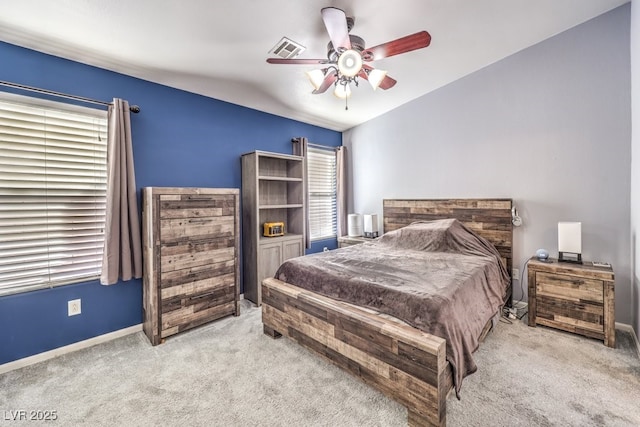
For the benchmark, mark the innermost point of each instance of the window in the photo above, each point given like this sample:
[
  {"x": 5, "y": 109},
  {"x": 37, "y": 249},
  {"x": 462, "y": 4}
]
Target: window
[
  {"x": 53, "y": 180},
  {"x": 321, "y": 174}
]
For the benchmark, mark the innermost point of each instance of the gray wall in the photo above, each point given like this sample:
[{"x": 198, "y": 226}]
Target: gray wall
[
  {"x": 635, "y": 158},
  {"x": 549, "y": 127}
]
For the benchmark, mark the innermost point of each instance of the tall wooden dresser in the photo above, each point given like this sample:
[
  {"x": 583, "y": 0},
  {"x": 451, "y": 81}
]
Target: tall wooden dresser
[{"x": 191, "y": 272}]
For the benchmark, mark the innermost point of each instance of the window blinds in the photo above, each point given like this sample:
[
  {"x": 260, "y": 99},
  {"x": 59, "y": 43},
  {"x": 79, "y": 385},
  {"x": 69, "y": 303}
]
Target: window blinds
[
  {"x": 321, "y": 176},
  {"x": 53, "y": 180}
]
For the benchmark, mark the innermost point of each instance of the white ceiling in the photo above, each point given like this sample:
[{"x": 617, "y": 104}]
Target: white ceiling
[{"x": 218, "y": 48}]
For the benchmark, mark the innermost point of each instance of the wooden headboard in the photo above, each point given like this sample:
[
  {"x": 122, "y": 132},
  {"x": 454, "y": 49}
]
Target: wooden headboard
[{"x": 490, "y": 218}]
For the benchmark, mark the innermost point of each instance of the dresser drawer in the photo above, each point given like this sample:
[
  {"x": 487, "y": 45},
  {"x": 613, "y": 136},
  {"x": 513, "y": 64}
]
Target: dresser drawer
[
  {"x": 183, "y": 312},
  {"x": 186, "y": 229}
]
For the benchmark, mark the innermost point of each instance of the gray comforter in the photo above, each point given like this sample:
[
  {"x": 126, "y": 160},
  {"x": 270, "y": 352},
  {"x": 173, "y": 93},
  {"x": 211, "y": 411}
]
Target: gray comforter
[{"x": 438, "y": 276}]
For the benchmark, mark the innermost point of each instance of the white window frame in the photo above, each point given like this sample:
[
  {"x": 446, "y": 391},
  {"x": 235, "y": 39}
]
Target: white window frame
[
  {"x": 53, "y": 172},
  {"x": 322, "y": 186}
]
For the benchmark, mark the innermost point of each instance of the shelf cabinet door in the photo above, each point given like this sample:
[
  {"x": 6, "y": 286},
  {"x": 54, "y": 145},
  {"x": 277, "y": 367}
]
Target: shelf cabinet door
[
  {"x": 271, "y": 255},
  {"x": 270, "y": 259},
  {"x": 291, "y": 249}
]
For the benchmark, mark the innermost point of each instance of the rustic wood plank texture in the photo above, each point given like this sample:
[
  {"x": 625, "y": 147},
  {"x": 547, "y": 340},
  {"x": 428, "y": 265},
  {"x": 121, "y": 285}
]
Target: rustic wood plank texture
[
  {"x": 191, "y": 272},
  {"x": 569, "y": 287},
  {"x": 196, "y": 228},
  {"x": 406, "y": 364},
  {"x": 609, "y": 313},
  {"x": 490, "y": 218},
  {"x": 577, "y": 298},
  {"x": 532, "y": 296}
]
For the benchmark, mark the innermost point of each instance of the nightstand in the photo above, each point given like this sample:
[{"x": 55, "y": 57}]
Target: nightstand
[
  {"x": 576, "y": 298},
  {"x": 345, "y": 241}
]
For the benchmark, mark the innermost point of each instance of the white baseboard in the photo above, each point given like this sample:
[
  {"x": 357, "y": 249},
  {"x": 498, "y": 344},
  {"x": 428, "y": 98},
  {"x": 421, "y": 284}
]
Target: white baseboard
[
  {"x": 629, "y": 328},
  {"x": 41, "y": 357}
]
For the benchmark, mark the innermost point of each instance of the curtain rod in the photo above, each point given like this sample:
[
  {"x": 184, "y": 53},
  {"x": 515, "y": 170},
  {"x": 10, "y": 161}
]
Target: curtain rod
[
  {"x": 311, "y": 144},
  {"x": 132, "y": 108}
]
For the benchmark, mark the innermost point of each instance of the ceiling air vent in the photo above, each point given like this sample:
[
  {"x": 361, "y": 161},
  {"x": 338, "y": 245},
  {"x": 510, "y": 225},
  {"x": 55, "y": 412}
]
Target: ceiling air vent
[{"x": 287, "y": 48}]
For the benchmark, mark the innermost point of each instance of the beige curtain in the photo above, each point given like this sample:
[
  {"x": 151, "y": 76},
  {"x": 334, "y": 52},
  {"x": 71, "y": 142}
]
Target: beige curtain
[
  {"x": 300, "y": 149},
  {"x": 341, "y": 190},
  {"x": 122, "y": 258}
]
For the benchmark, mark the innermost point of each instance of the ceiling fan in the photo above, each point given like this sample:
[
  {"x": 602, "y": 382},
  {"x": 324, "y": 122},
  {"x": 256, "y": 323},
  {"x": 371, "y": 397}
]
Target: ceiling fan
[{"x": 347, "y": 54}]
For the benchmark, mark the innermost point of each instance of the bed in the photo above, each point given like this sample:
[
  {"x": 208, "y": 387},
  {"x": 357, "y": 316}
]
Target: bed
[{"x": 405, "y": 362}]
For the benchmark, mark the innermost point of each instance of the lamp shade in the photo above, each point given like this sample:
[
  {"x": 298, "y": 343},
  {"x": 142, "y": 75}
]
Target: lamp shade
[
  {"x": 316, "y": 77},
  {"x": 375, "y": 78},
  {"x": 570, "y": 242},
  {"x": 342, "y": 91},
  {"x": 370, "y": 225},
  {"x": 570, "y": 237},
  {"x": 350, "y": 63}
]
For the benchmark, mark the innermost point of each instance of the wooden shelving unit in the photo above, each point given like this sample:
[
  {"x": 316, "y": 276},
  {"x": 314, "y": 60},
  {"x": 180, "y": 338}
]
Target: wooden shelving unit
[{"x": 272, "y": 191}]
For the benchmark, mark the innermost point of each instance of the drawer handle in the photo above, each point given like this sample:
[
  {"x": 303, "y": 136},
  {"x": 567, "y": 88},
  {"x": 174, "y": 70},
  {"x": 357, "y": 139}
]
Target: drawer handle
[
  {"x": 198, "y": 220},
  {"x": 203, "y": 295}
]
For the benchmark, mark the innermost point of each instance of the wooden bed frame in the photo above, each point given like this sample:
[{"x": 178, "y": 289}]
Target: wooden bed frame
[{"x": 403, "y": 362}]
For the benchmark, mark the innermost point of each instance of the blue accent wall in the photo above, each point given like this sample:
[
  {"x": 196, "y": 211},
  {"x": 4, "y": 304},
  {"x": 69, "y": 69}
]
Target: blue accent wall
[{"x": 180, "y": 140}]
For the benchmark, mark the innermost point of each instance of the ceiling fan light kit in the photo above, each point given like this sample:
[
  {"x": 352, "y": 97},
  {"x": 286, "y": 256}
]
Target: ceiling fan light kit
[
  {"x": 350, "y": 63},
  {"x": 346, "y": 54}
]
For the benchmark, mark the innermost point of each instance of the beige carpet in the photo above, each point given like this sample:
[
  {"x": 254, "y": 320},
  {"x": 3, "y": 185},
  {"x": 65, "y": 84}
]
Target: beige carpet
[{"x": 229, "y": 373}]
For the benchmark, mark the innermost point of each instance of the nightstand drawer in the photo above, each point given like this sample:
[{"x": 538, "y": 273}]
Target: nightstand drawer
[
  {"x": 570, "y": 288},
  {"x": 584, "y": 318}
]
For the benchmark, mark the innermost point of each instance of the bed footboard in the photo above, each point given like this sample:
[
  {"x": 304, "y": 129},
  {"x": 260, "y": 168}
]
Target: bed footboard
[{"x": 402, "y": 362}]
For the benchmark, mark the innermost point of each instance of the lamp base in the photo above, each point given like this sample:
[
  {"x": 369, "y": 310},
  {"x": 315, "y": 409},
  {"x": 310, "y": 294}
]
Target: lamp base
[{"x": 570, "y": 257}]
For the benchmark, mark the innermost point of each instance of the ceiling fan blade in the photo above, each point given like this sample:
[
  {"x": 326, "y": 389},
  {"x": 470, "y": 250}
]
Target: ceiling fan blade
[
  {"x": 336, "y": 22},
  {"x": 296, "y": 61},
  {"x": 386, "y": 83},
  {"x": 326, "y": 84},
  {"x": 405, "y": 44}
]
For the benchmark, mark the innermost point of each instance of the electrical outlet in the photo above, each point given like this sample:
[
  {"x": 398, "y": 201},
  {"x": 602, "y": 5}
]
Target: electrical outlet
[
  {"x": 75, "y": 307},
  {"x": 515, "y": 274}
]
